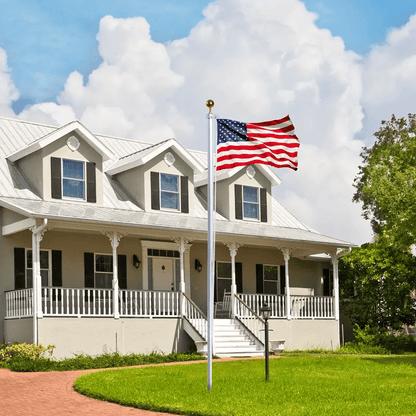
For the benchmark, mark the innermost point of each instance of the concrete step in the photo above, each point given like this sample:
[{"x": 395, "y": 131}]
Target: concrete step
[{"x": 230, "y": 340}]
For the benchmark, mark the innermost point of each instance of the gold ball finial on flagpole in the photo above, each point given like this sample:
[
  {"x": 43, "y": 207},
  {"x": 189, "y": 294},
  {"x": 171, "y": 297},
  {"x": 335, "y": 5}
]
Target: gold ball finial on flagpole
[{"x": 210, "y": 104}]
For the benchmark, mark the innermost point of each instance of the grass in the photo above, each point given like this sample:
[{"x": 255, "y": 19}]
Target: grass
[{"x": 299, "y": 386}]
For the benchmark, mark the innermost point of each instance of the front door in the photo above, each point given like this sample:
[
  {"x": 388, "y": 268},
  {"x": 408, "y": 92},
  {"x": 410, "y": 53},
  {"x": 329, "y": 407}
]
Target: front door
[{"x": 163, "y": 274}]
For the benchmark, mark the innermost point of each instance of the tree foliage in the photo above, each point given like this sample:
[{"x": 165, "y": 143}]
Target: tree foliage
[
  {"x": 386, "y": 182},
  {"x": 376, "y": 282}
]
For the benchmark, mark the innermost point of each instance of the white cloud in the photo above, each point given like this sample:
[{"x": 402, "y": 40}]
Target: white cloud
[
  {"x": 262, "y": 60},
  {"x": 257, "y": 60},
  {"x": 8, "y": 91},
  {"x": 389, "y": 78}
]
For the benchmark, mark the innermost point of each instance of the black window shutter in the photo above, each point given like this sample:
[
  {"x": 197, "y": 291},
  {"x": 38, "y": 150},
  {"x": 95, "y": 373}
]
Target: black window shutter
[
  {"x": 91, "y": 184},
  {"x": 89, "y": 269},
  {"x": 263, "y": 204},
  {"x": 239, "y": 277},
  {"x": 282, "y": 280},
  {"x": 154, "y": 189},
  {"x": 238, "y": 191},
  {"x": 57, "y": 268},
  {"x": 327, "y": 285},
  {"x": 122, "y": 271},
  {"x": 19, "y": 268},
  {"x": 184, "y": 195},
  {"x": 259, "y": 278},
  {"x": 56, "y": 180}
]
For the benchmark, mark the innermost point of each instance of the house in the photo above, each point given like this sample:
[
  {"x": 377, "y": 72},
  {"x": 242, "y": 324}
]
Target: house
[{"x": 104, "y": 247}]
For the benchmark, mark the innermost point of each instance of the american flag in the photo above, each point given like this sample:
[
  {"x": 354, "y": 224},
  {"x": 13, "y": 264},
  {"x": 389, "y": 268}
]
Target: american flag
[{"x": 270, "y": 142}]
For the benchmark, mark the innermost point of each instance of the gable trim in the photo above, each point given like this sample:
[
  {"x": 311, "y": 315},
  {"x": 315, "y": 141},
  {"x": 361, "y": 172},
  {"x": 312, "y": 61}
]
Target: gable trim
[
  {"x": 137, "y": 159},
  {"x": 73, "y": 126}
]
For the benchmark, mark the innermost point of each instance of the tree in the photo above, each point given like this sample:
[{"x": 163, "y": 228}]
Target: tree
[
  {"x": 386, "y": 182},
  {"x": 375, "y": 286}
]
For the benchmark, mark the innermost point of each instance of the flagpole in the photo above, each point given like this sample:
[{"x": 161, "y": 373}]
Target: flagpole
[{"x": 211, "y": 242}]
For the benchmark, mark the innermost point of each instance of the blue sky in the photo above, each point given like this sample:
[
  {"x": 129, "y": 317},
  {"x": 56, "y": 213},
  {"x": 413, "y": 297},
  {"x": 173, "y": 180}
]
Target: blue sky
[
  {"x": 48, "y": 39},
  {"x": 144, "y": 69}
]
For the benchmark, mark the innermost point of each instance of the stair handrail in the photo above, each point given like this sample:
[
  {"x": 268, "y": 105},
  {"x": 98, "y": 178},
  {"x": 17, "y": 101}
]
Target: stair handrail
[
  {"x": 249, "y": 319},
  {"x": 196, "y": 318}
]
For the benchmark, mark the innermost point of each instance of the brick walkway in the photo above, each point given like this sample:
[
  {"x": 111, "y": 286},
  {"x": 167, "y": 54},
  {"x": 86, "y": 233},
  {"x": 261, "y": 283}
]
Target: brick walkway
[{"x": 51, "y": 394}]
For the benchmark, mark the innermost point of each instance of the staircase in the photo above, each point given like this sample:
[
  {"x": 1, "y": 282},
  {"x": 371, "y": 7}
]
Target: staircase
[{"x": 231, "y": 340}]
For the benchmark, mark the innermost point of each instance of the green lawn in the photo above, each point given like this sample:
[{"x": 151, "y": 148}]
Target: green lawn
[{"x": 320, "y": 385}]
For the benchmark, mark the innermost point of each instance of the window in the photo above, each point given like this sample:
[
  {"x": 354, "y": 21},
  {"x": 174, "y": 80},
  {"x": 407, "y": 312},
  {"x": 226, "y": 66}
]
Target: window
[
  {"x": 169, "y": 191},
  {"x": 98, "y": 270},
  {"x": 44, "y": 268},
  {"x": 328, "y": 282},
  {"x": 223, "y": 279},
  {"x": 50, "y": 268},
  {"x": 270, "y": 279},
  {"x": 250, "y": 202},
  {"x": 103, "y": 271},
  {"x": 73, "y": 179}
]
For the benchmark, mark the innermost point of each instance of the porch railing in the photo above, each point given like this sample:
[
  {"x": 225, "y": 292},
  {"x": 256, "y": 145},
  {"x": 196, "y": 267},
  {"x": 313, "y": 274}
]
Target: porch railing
[
  {"x": 195, "y": 317},
  {"x": 301, "y": 307},
  {"x": 249, "y": 318},
  {"x": 58, "y": 301},
  {"x": 19, "y": 303},
  {"x": 140, "y": 303},
  {"x": 308, "y": 307},
  {"x": 276, "y": 302}
]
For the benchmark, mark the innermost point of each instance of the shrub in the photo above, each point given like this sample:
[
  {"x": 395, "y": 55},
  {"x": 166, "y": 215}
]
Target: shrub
[
  {"x": 84, "y": 362},
  {"x": 370, "y": 340},
  {"x": 30, "y": 351}
]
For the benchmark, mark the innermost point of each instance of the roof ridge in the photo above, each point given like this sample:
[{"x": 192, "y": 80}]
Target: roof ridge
[
  {"x": 146, "y": 148},
  {"x": 31, "y": 122}
]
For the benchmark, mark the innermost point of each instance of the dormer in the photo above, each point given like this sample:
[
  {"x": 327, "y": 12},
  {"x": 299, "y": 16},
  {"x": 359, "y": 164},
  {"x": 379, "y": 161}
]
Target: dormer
[
  {"x": 243, "y": 193},
  {"x": 64, "y": 165},
  {"x": 160, "y": 177}
]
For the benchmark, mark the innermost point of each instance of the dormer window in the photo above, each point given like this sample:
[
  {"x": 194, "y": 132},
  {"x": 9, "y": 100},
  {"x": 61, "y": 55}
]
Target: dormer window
[
  {"x": 250, "y": 203},
  {"x": 73, "y": 179},
  {"x": 169, "y": 192}
]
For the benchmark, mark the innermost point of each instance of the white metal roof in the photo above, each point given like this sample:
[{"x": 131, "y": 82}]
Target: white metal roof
[{"x": 17, "y": 194}]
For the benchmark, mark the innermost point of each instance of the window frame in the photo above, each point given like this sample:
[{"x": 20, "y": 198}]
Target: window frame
[
  {"x": 104, "y": 273},
  {"x": 49, "y": 269},
  {"x": 244, "y": 202},
  {"x": 178, "y": 193},
  {"x": 84, "y": 180},
  {"x": 220, "y": 293},
  {"x": 277, "y": 281}
]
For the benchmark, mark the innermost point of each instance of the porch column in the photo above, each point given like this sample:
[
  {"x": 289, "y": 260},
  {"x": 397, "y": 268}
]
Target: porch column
[
  {"x": 182, "y": 242},
  {"x": 37, "y": 236},
  {"x": 286, "y": 254},
  {"x": 233, "y": 247},
  {"x": 115, "y": 238},
  {"x": 335, "y": 261}
]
